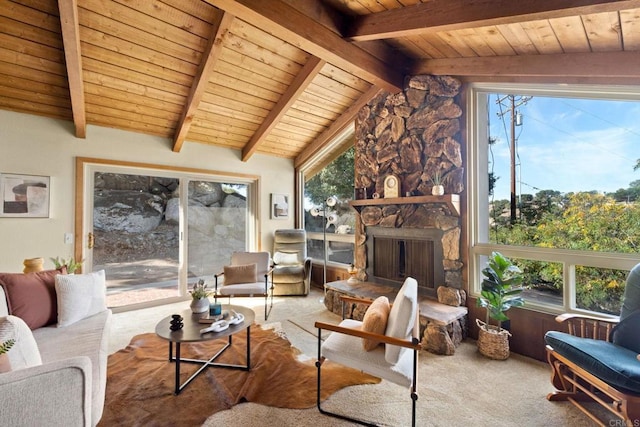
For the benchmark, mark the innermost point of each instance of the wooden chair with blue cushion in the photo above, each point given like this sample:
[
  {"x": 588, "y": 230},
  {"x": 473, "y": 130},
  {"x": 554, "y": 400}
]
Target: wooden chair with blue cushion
[
  {"x": 248, "y": 275},
  {"x": 597, "y": 361},
  {"x": 385, "y": 344}
]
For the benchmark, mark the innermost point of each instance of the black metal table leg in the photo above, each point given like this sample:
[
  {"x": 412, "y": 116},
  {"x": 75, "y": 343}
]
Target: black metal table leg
[{"x": 177, "y": 391}]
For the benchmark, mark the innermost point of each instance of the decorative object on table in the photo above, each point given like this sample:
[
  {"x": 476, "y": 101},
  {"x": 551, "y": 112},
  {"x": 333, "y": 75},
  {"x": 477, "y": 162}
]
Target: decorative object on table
[
  {"x": 71, "y": 264},
  {"x": 352, "y": 270},
  {"x": 176, "y": 322},
  {"x": 438, "y": 188},
  {"x": 391, "y": 186},
  {"x": 330, "y": 218},
  {"x": 5, "y": 364},
  {"x": 33, "y": 265},
  {"x": 215, "y": 309},
  {"x": 199, "y": 297},
  {"x": 139, "y": 374},
  {"x": 24, "y": 196},
  {"x": 279, "y": 206},
  {"x": 500, "y": 291}
]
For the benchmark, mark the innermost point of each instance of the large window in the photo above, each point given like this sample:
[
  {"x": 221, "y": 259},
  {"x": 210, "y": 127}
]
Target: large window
[
  {"x": 555, "y": 180},
  {"x": 330, "y": 229}
]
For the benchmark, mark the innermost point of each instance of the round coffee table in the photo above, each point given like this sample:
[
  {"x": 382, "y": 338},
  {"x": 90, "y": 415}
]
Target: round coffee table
[{"x": 190, "y": 333}]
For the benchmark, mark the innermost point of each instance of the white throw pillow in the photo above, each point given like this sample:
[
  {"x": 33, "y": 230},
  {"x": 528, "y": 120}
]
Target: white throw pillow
[
  {"x": 25, "y": 352},
  {"x": 80, "y": 296},
  {"x": 283, "y": 258},
  {"x": 402, "y": 318}
]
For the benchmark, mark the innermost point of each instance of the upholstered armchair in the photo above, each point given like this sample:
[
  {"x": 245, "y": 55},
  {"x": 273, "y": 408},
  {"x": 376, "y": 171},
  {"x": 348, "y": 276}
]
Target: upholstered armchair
[
  {"x": 597, "y": 360},
  {"x": 385, "y": 344},
  {"x": 291, "y": 266},
  {"x": 248, "y": 275}
]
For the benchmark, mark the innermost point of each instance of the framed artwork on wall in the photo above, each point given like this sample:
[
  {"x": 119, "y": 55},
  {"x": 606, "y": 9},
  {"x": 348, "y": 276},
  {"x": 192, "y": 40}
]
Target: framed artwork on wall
[
  {"x": 279, "y": 206},
  {"x": 24, "y": 196}
]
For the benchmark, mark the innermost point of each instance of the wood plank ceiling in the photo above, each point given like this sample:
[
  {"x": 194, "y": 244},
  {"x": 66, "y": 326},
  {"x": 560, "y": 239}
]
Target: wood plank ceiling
[{"x": 285, "y": 77}]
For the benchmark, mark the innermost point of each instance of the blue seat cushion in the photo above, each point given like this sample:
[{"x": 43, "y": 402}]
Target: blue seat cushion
[{"x": 613, "y": 364}]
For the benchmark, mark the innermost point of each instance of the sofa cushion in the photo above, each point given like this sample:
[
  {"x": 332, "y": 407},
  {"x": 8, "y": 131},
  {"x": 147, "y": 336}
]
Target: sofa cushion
[
  {"x": 32, "y": 296},
  {"x": 375, "y": 321},
  {"x": 402, "y": 318},
  {"x": 611, "y": 363},
  {"x": 244, "y": 273},
  {"x": 24, "y": 353},
  {"x": 89, "y": 338},
  {"x": 80, "y": 296}
]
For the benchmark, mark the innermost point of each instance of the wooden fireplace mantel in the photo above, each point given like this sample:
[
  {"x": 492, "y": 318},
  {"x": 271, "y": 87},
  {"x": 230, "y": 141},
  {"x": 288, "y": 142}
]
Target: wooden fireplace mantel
[{"x": 451, "y": 200}]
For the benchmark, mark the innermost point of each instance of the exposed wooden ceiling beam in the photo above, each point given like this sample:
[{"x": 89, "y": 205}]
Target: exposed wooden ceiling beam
[
  {"x": 336, "y": 127},
  {"x": 292, "y": 25},
  {"x": 592, "y": 65},
  {"x": 297, "y": 87},
  {"x": 209, "y": 58},
  {"x": 71, "y": 41},
  {"x": 449, "y": 15}
]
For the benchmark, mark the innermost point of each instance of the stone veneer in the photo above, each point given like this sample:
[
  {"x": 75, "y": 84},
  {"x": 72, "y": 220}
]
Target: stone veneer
[{"x": 414, "y": 135}]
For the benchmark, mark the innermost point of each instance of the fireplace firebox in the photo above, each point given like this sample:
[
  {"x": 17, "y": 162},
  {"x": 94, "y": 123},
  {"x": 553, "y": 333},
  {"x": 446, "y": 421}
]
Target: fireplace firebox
[{"x": 393, "y": 254}]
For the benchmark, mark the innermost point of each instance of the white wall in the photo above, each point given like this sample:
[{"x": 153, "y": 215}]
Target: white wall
[{"x": 40, "y": 146}]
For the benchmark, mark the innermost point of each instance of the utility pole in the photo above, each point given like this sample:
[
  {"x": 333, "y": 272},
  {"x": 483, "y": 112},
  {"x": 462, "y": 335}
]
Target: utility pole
[{"x": 514, "y": 102}]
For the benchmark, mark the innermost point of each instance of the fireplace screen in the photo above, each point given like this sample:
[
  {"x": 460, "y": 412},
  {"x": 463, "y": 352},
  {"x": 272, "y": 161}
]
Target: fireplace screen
[{"x": 393, "y": 259}]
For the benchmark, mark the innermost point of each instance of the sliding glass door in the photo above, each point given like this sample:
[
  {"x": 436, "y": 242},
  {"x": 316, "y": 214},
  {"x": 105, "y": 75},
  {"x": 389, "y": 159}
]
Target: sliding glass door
[
  {"x": 155, "y": 232},
  {"x": 217, "y": 215}
]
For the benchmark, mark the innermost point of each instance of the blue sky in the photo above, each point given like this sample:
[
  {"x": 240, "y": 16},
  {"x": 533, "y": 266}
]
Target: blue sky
[{"x": 567, "y": 145}]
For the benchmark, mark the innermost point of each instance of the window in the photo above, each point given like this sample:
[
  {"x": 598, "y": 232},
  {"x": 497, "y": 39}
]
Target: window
[
  {"x": 554, "y": 186},
  {"x": 336, "y": 226}
]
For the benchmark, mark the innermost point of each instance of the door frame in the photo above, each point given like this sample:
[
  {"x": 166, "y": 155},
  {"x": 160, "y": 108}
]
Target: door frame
[{"x": 86, "y": 166}]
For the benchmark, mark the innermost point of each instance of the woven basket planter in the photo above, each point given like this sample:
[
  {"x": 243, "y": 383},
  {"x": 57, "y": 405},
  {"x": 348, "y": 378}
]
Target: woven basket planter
[{"x": 492, "y": 341}]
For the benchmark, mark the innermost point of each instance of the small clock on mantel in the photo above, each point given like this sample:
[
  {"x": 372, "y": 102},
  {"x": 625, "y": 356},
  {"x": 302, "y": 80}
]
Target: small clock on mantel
[{"x": 391, "y": 186}]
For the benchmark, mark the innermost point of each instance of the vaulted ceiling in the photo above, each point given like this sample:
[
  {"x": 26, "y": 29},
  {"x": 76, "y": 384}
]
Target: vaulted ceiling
[{"x": 285, "y": 77}]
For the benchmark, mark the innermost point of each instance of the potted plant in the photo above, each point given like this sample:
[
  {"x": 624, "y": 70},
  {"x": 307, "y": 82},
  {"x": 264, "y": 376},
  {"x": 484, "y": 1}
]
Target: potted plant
[
  {"x": 200, "y": 297},
  {"x": 71, "y": 264},
  {"x": 501, "y": 290},
  {"x": 438, "y": 188}
]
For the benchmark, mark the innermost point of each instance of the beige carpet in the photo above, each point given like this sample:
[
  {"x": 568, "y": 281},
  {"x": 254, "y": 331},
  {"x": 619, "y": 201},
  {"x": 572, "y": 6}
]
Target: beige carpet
[{"x": 465, "y": 389}]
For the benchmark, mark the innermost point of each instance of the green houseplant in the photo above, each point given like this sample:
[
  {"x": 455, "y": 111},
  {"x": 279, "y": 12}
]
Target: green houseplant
[
  {"x": 200, "y": 297},
  {"x": 5, "y": 365},
  {"x": 501, "y": 290},
  {"x": 71, "y": 264}
]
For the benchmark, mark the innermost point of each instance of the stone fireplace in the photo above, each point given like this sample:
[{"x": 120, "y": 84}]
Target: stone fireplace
[
  {"x": 403, "y": 142},
  {"x": 412, "y": 136}
]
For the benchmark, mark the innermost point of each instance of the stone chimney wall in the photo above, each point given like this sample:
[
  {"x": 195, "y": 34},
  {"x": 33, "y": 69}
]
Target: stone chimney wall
[{"x": 414, "y": 135}]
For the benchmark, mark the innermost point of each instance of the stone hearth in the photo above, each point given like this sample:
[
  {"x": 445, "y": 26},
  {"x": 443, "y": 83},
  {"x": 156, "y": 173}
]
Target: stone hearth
[{"x": 443, "y": 323}]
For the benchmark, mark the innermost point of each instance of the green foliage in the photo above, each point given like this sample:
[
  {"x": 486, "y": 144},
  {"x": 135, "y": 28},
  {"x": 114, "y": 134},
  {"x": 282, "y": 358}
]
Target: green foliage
[
  {"x": 336, "y": 179},
  {"x": 501, "y": 288},
  {"x": 6, "y": 346},
  {"x": 71, "y": 264},
  {"x": 585, "y": 221}
]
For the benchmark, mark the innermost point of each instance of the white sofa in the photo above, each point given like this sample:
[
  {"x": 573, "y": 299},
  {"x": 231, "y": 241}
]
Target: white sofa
[{"x": 68, "y": 388}]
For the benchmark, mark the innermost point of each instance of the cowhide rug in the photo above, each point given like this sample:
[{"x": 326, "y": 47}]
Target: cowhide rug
[{"x": 140, "y": 380}]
